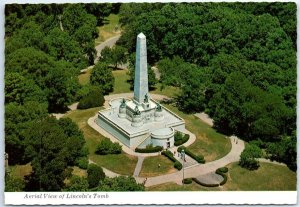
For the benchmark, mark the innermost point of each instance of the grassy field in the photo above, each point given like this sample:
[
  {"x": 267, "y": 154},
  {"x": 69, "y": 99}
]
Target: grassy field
[
  {"x": 84, "y": 78},
  {"x": 79, "y": 172},
  {"x": 121, "y": 85},
  {"x": 20, "y": 170},
  {"x": 108, "y": 30},
  {"x": 268, "y": 177},
  {"x": 186, "y": 187},
  {"x": 169, "y": 91},
  {"x": 209, "y": 143},
  {"x": 122, "y": 163},
  {"x": 150, "y": 166}
]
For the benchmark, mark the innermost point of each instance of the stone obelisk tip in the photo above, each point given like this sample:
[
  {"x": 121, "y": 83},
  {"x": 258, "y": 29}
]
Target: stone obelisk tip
[{"x": 141, "y": 36}]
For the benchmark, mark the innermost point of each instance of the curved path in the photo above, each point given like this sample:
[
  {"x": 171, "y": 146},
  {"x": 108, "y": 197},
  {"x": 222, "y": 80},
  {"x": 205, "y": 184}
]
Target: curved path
[{"x": 200, "y": 169}]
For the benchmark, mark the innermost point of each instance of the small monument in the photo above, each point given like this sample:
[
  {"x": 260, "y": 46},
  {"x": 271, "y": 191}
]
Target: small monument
[{"x": 141, "y": 121}]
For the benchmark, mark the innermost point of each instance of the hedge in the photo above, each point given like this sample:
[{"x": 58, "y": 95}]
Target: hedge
[
  {"x": 205, "y": 184},
  {"x": 221, "y": 171},
  {"x": 178, "y": 165},
  {"x": 181, "y": 139},
  {"x": 169, "y": 155},
  {"x": 187, "y": 180},
  {"x": 198, "y": 158},
  {"x": 149, "y": 149}
]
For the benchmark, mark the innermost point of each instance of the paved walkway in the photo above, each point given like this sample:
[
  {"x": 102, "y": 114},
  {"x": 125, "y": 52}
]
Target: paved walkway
[
  {"x": 200, "y": 169},
  {"x": 108, "y": 43},
  {"x": 210, "y": 178},
  {"x": 138, "y": 166},
  {"x": 107, "y": 172},
  {"x": 205, "y": 118},
  {"x": 270, "y": 161}
]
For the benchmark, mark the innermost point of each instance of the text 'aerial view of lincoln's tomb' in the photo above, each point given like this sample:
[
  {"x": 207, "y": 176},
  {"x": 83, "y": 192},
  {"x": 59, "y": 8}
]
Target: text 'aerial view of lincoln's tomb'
[{"x": 140, "y": 121}]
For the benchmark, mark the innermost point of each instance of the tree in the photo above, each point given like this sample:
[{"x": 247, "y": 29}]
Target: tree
[
  {"x": 18, "y": 119},
  {"x": 61, "y": 46},
  {"x": 284, "y": 151},
  {"x": 94, "y": 98},
  {"x": 13, "y": 184},
  {"x": 115, "y": 55},
  {"x": 82, "y": 27},
  {"x": 95, "y": 175},
  {"x": 29, "y": 35},
  {"x": 248, "y": 157},
  {"x": 19, "y": 89},
  {"x": 120, "y": 183},
  {"x": 102, "y": 76},
  {"x": 100, "y": 11},
  {"x": 77, "y": 183},
  {"x": 61, "y": 86},
  {"x": 75, "y": 141},
  {"x": 49, "y": 159}
]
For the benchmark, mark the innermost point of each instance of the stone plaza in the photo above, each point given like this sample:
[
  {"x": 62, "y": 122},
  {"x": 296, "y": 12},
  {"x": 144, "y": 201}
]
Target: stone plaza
[{"x": 140, "y": 121}]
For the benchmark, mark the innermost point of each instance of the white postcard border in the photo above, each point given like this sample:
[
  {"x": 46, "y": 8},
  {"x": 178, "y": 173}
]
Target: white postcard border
[{"x": 134, "y": 198}]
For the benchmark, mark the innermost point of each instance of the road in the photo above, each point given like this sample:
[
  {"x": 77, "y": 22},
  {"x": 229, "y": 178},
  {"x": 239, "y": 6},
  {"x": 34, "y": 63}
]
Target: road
[{"x": 108, "y": 43}]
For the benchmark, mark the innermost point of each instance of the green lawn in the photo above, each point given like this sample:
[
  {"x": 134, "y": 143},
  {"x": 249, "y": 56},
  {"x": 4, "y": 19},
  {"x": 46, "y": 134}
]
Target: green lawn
[
  {"x": 84, "y": 78},
  {"x": 108, "y": 30},
  {"x": 211, "y": 144},
  {"x": 186, "y": 187},
  {"x": 122, "y": 163},
  {"x": 79, "y": 172},
  {"x": 150, "y": 166},
  {"x": 121, "y": 85},
  {"x": 267, "y": 177},
  {"x": 169, "y": 91},
  {"x": 20, "y": 170}
]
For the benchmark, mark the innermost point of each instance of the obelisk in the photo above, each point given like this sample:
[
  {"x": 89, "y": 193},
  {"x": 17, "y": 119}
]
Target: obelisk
[{"x": 141, "y": 70}]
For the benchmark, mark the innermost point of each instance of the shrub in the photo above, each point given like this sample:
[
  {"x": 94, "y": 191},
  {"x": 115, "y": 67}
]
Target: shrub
[
  {"x": 169, "y": 155},
  {"x": 187, "y": 181},
  {"x": 82, "y": 162},
  {"x": 149, "y": 149},
  {"x": 248, "y": 157},
  {"x": 221, "y": 171},
  {"x": 108, "y": 147},
  {"x": 225, "y": 179},
  {"x": 198, "y": 158},
  {"x": 95, "y": 174},
  {"x": 180, "y": 138},
  {"x": 204, "y": 184},
  {"x": 94, "y": 98},
  {"x": 177, "y": 165}
]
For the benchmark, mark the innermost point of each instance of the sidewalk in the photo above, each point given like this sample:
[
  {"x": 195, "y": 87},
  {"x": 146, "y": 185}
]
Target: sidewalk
[{"x": 200, "y": 169}]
